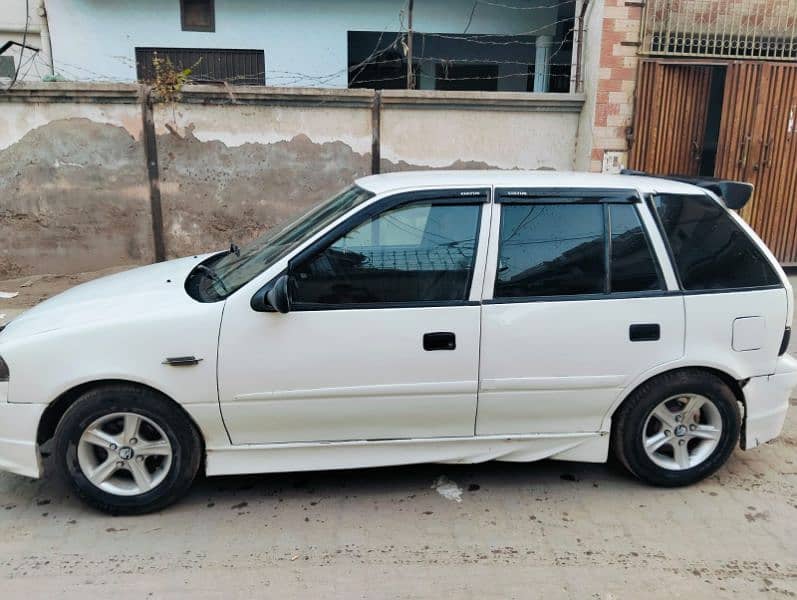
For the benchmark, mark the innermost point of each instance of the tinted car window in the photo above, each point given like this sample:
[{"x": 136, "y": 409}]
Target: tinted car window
[
  {"x": 710, "y": 250},
  {"x": 414, "y": 253},
  {"x": 632, "y": 266},
  {"x": 551, "y": 250}
]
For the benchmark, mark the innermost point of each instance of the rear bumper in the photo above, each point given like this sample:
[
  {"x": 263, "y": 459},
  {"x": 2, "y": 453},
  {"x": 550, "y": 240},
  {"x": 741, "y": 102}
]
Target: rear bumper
[
  {"x": 767, "y": 400},
  {"x": 18, "y": 425}
]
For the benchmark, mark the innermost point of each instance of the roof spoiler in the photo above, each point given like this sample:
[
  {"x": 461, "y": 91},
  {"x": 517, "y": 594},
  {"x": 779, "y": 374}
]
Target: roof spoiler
[{"x": 735, "y": 194}]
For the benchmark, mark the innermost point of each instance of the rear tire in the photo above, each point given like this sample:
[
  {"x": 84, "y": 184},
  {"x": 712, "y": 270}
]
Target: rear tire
[
  {"x": 127, "y": 450},
  {"x": 677, "y": 428}
]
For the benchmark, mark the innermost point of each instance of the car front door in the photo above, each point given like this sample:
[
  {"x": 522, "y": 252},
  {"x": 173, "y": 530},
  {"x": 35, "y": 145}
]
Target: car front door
[
  {"x": 382, "y": 337},
  {"x": 576, "y": 308}
]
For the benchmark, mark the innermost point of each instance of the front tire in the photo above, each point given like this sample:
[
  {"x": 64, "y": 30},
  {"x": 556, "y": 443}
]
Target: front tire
[
  {"x": 677, "y": 428},
  {"x": 127, "y": 450}
]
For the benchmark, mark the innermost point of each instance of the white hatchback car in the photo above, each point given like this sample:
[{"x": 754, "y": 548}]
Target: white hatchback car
[{"x": 417, "y": 317}]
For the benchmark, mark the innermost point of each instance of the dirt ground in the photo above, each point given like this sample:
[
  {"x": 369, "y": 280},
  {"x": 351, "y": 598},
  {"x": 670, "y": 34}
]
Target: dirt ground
[{"x": 548, "y": 529}]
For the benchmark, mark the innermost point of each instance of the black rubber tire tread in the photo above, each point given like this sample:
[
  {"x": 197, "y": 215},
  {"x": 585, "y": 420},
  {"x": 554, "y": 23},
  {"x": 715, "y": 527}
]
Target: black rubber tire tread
[
  {"x": 182, "y": 434},
  {"x": 629, "y": 420}
]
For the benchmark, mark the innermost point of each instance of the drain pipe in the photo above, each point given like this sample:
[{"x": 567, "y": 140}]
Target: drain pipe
[{"x": 46, "y": 51}]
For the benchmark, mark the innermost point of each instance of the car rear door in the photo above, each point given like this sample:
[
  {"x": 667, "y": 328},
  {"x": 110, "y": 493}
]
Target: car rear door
[
  {"x": 576, "y": 307},
  {"x": 382, "y": 339}
]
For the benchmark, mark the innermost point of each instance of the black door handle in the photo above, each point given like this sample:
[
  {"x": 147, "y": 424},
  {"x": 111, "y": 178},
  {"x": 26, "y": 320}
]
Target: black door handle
[
  {"x": 439, "y": 340},
  {"x": 644, "y": 332}
]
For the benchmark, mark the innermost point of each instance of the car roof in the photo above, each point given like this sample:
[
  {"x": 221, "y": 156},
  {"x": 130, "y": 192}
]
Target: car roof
[{"x": 390, "y": 182}]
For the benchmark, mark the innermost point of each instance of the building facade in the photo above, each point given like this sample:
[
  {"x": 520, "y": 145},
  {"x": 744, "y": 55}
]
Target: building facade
[
  {"x": 456, "y": 44},
  {"x": 524, "y": 46},
  {"x": 708, "y": 88}
]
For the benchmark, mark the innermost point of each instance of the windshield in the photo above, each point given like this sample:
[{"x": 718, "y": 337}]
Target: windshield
[{"x": 223, "y": 274}]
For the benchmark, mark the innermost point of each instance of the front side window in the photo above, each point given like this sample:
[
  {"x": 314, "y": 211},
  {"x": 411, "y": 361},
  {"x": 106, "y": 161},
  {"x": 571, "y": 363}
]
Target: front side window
[
  {"x": 420, "y": 252},
  {"x": 710, "y": 250},
  {"x": 223, "y": 274}
]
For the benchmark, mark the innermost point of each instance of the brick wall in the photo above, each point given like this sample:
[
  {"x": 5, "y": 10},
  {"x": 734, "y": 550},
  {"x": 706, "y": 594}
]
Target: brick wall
[{"x": 616, "y": 82}]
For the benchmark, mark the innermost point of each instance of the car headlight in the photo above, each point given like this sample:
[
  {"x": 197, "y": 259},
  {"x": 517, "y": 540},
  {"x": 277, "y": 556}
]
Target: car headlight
[{"x": 3, "y": 370}]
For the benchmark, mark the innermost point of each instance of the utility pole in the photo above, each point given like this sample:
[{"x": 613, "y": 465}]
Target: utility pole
[{"x": 410, "y": 74}]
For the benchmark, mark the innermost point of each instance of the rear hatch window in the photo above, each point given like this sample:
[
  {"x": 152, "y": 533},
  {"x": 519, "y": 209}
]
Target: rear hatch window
[{"x": 710, "y": 250}]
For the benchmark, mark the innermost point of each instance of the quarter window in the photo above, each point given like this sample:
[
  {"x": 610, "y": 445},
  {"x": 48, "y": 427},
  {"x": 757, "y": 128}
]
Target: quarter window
[
  {"x": 710, "y": 250},
  {"x": 421, "y": 252},
  {"x": 632, "y": 265}
]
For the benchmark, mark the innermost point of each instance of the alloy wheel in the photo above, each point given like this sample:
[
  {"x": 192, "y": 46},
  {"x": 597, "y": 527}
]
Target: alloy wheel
[
  {"x": 124, "y": 453},
  {"x": 682, "y": 432}
]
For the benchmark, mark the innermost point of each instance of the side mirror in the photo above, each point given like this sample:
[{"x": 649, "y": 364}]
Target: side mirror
[{"x": 273, "y": 297}]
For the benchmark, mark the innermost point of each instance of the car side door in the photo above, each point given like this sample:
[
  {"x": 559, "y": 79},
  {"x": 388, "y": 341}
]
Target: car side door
[
  {"x": 576, "y": 307},
  {"x": 382, "y": 337}
]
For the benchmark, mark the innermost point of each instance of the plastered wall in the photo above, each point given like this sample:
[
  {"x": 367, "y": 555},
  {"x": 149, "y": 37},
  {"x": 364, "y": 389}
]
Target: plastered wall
[{"x": 75, "y": 188}]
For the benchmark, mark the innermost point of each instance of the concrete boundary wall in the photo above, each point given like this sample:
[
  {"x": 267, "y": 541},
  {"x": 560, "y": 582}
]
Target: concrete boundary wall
[{"x": 77, "y": 192}]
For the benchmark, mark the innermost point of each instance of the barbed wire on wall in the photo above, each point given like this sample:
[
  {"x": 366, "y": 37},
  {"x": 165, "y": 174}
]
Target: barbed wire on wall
[
  {"x": 290, "y": 78},
  {"x": 525, "y": 8}
]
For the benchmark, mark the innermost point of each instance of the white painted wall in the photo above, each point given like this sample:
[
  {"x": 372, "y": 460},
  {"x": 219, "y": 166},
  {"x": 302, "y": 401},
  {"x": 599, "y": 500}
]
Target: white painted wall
[
  {"x": 12, "y": 16},
  {"x": 12, "y": 29},
  {"x": 304, "y": 40},
  {"x": 498, "y": 138}
]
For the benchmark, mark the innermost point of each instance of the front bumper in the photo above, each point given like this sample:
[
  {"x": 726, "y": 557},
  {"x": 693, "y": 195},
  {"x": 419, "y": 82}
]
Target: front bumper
[
  {"x": 18, "y": 425},
  {"x": 767, "y": 400}
]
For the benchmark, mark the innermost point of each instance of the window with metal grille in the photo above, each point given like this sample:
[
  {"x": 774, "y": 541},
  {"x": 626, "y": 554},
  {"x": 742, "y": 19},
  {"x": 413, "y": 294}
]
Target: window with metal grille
[
  {"x": 760, "y": 29},
  {"x": 208, "y": 65},
  {"x": 198, "y": 15}
]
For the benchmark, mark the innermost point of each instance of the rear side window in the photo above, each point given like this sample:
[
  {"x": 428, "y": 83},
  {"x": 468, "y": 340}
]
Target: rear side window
[
  {"x": 551, "y": 249},
  {"x": 710, "y": 250}
]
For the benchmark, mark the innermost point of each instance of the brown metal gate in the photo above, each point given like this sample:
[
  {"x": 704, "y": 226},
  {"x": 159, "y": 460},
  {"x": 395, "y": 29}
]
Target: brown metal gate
[
  {"x": 757, "y": 145},
  {"x": 756, "y": 141},
  {"x": 670, "y": 118}
]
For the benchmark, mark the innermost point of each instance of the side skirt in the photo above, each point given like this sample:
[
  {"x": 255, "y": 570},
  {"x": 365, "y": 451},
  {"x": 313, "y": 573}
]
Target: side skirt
[{"x": 320, "y": 456}]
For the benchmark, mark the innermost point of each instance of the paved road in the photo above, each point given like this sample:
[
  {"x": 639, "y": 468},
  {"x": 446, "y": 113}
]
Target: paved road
[{"x": 553, "y": 530}]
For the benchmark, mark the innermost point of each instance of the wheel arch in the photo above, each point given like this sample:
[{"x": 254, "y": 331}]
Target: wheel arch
[
  {"x": 55, "y": 410},
  {"x": 736, "y": 386}
]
